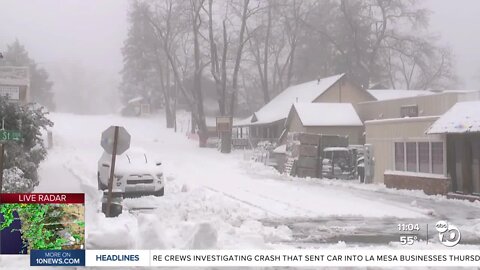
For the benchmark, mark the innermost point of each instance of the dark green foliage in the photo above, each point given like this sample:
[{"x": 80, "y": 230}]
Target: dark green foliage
[
  {"x": 26, "y": 154},
  {"x": 139, "y": 74}
]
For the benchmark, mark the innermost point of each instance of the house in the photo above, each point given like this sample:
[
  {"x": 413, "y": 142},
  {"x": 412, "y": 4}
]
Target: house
[
  {"x": 411, "y": 141},
  {"x": 460, "y": 130},
  {"x": 15, "y": 84},
  {"x": 412, "y": 103},
  {"x": 136, "y": 107},
  {"x": 325, "y": 118},
  {"x": 268, "y": 123}
]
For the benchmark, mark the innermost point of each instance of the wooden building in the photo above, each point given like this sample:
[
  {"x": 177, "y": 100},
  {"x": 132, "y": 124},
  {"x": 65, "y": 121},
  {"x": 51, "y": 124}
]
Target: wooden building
[
  {"x": 268, "y": 123},
  {"x": 15, "y": 84},
  {"x": 325, "y": 118}
]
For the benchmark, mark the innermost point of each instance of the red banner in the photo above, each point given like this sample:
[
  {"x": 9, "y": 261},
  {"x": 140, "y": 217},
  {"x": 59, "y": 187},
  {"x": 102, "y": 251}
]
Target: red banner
[{"x": 42, "y": 198}]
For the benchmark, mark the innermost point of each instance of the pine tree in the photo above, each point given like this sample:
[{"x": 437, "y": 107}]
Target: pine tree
[
  {"x": 40, "y": 86},
  {"x": 139, "y": 76}
]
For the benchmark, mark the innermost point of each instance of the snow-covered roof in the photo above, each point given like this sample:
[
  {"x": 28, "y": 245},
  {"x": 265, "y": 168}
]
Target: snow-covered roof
[
  {"x": 461, "y": 118},
  {"x": 388, "y": 94},
  {"x": 136, "y": 99},
  {"x": 278, "y": 108},
  {"x": 327, "y": 114},
  {"x": 242, "y": 122},
  {"x": 11, "y": 75},
  {"x": 282, "y": 149}
]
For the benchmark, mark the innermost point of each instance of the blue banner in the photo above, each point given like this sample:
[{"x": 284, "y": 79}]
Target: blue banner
[{"x": 57, "y": 258}]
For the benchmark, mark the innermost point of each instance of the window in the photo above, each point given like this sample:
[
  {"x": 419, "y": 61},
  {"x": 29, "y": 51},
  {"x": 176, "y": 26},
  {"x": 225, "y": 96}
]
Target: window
[
  {"x": 410, "y": 111},
  {"x": 399, "y": 156},
  {"x": 424, "y": 157},
  {"x": 437, "y": 157},
  {"x": 411, "y": 149}
]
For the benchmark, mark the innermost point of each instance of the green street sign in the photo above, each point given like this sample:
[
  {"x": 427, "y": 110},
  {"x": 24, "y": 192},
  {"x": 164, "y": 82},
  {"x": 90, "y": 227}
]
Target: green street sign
[{"x": 10, "y": 135}]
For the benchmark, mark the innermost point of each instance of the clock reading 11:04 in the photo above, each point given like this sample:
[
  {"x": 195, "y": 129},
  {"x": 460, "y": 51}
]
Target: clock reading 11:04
[{"x": 408, "y": 227}]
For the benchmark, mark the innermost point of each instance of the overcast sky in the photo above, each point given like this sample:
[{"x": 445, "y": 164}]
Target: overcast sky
[{"x": 91, "y": 32}]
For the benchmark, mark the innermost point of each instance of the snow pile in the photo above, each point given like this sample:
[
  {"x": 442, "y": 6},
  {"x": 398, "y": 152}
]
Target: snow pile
[
  {"x": 151, "y": 233},
  {"x": 15, "y": 182},
  {"x": 111, "y": 233},
  {"x": 205, "y": 237}
]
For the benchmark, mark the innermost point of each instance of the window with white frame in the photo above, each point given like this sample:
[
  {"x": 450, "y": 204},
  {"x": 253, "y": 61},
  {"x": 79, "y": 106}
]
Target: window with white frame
[{"x": 423, "y": 157}]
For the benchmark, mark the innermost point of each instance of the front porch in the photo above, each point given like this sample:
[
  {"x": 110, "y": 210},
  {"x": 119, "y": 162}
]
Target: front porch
[{"x": 463, "y": 165}]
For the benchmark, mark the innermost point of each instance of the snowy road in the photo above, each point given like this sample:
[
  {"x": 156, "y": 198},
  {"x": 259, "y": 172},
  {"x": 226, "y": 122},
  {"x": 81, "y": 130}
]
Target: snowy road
[{"x": 243, "y": 204}]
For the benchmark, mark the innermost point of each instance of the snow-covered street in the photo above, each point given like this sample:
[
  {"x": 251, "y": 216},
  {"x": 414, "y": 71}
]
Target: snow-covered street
[{"x": 213, "y": 200}]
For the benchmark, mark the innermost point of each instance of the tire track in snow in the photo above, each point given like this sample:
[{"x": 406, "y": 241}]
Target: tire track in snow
[{"x": 242, "y": 201}]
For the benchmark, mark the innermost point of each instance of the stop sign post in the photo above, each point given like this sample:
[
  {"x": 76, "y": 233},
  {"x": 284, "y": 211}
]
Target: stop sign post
[{"x": 115, "y": 141}]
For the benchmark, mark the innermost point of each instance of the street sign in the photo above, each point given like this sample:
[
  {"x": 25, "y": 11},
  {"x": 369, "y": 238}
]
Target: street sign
[
  {"x": 115, "y": 140},
  {"x": 108, "y": 137},
  {"x": 10, "y": 135}
]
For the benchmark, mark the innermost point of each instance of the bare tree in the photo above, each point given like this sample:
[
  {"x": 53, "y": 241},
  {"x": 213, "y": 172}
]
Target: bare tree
[
  {"x": 273, "y": 43},
  {"x": 171, "y": 22},
  {"x": 218, "y": 64},
  {"x": 370, "y": 44}
]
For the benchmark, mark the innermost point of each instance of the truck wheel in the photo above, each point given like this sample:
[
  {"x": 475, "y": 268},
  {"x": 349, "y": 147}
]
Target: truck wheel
[{"x": 160, "y": 192}]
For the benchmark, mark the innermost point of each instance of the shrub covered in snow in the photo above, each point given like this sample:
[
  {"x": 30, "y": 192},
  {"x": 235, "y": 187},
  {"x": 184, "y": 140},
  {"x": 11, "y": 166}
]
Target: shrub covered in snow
[
  {"x": 15, "y": 182},
  {"x": 23, "y": 157}
]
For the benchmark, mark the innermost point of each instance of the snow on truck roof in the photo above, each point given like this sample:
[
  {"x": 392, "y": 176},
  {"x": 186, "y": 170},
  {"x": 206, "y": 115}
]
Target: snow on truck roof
[
  {"x": 463, "y": 117},
  {"x": 328, "y": 149},
  {"x": 279, "y": 107},
  {"x": 327, "y": 114}
]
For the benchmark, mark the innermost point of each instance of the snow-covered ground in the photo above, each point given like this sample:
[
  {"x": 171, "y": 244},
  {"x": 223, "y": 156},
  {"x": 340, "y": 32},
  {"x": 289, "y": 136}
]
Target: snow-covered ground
[{"x": 220, "y": 201}]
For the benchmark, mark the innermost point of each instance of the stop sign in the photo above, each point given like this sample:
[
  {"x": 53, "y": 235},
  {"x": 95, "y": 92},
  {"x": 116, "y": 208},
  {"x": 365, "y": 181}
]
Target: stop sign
[{"x": 123, "y": 140}]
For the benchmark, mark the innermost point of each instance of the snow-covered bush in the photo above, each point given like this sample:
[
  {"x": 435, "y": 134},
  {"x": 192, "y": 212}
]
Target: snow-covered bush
[
  {"x": 15, "y": 182},
  {"x": 24, "y": 155}
]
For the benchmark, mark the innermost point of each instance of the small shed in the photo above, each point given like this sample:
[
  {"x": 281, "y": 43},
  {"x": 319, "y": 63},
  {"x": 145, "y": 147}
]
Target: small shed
[
  {"x": 325, "y": 118},
  {"x": 136, "y": 107}
]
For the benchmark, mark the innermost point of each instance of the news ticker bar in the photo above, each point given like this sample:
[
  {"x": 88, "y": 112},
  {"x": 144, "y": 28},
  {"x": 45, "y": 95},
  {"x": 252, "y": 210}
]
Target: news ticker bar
[
  {"x": 258, "y": 258},
  {"x": 43, "y": 198}
]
